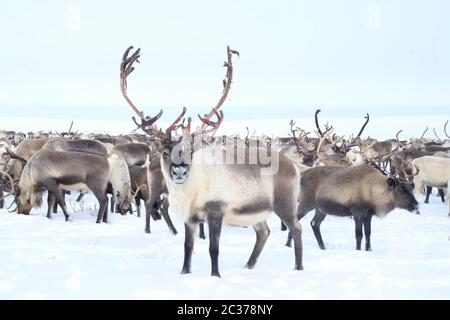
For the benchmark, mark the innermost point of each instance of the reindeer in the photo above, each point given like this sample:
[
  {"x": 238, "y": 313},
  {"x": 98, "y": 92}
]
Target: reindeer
[
  {"x": 78, "y": 145},
  {"x": 360, "y": 192},
  {"x": 401, "y": 166},
  {"x": 196, "y": 188},
  {"x": 51, "y": 171},
  {"x": 433, "y": 172}
]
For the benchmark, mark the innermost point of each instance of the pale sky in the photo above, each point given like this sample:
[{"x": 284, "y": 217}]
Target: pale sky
[{"x": 65, "y": 55}]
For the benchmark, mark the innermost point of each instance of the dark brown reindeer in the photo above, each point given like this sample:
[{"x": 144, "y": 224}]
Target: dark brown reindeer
[
  {"x": 196, "y": 188},
  {"x": 360, "y": 191}
]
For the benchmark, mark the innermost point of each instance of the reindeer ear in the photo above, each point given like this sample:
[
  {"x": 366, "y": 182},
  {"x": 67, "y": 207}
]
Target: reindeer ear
[
  {"x": 159, "y": 146},
  {"x": 391, "y": 182},
  {"x": 166, "y": 154}
]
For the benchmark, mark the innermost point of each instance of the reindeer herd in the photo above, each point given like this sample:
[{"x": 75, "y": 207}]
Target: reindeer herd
[{"x": 209, "y": 179}]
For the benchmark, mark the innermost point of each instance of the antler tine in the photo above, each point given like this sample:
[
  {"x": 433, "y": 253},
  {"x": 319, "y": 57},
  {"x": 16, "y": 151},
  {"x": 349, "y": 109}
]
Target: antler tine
[
  {"x": 434, "y": 130},
  {"x": 186, "y": 128},
  {"x": 397, "y": 134},
  {"x": 214, "y": 125},
  {"x": 173, "y": 126},
  {"x": 317, "y": 122},
  {"x": 423, "y": 134},
  {"x": 322, "y": 139},
  {"x": 445, "y": 129},
  {"x": 363, "y": 127}
]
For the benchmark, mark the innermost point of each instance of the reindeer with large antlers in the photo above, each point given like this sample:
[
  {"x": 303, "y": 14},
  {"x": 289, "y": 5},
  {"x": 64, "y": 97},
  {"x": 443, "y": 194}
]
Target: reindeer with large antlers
[{"x": 204, "y": 187}]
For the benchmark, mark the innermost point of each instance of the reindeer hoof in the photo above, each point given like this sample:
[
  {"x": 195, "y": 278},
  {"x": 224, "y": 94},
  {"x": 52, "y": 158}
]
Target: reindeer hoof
[
  {"x": 299, "y": 268},
  {"x": 185, "y": 271},
  {"x": 215, "y": 274}
]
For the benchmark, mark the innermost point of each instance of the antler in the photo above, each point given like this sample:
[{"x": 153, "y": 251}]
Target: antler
[
  {"x": 397, "y": 134},
  {"x": 226, "y": 89},
  {"x": 322, "y": 139},
  {"x": 317, "y": 122},
  {"x": 175, "y": 125},
  {"x": 296, "y": 141},
  {"x": 445, "y": 129},
  {"x": 126, "y": 67},
  {"x": 139, "y": 188},
  {"x": 434, "y": 130},
  {"x": 423, "y": 134},
  {"x": 363, "y": 127}
]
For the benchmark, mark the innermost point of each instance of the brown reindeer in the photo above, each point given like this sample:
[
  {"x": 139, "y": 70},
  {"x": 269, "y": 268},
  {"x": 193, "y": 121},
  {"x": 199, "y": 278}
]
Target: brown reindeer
[{"x": 359, "y": 191}]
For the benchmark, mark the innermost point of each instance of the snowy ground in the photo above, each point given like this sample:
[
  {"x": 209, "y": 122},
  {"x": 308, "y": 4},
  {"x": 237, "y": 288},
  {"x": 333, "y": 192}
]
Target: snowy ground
[
  {"x": 52, "y": 259},
  {"x": 41, "y": 258}
]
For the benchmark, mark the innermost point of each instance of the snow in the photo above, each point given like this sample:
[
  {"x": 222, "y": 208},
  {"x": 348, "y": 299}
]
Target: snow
[{"x": 54, "y": 259}]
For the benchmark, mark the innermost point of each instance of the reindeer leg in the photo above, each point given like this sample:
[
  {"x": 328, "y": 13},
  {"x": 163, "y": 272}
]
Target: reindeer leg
[
  {"x": 80, "y": 196},
  {"x": 301, "y": 212},
  {"x": 427, "y": 198},
  {"x": 358, "y": 230},
  {"x": 105, "y": 210},
  {"x": 165, "y": 214},
  {"x": 367, "y": 230},
  {"x": 315, "y": 224},
  {"x": 201, "y": 232},
  {"x": 55, "y": 205},
  {"x": 148, "y": 209},
  {"x": 215, "y": 226},
  {"x": 138, "y": 207},
  {"x": 51, "y": 202},
  {"x": 2, "y": 200},
  {"x": 54, "y": 189},
  {"x": 262, "y": 233},
  {"x": 442, "y": 195},
  {"x": 189, "y": 231},
  {"x": 112, "y": 203}
]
